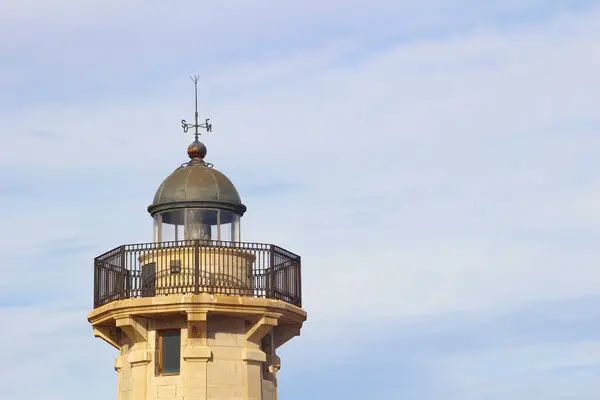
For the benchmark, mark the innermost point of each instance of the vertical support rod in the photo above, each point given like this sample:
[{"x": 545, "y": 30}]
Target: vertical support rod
[
  {"x": 123, "y": 268},
  {"x": 159, "y": 227},
  {"x": 219, "y": 225},
  {"x": 96, "y": 282},
  {"x": 196, "y": 266},
  {"x": 299, "y": 277},
  {"x": 272, "y": 268}
]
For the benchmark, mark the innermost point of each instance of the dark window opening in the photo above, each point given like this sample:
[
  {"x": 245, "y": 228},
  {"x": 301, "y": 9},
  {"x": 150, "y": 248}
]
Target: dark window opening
[{"x": 169, "y": 352}]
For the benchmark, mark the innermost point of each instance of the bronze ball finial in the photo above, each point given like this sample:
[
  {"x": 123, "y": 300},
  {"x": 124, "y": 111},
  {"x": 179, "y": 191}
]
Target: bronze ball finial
[{"x": 196, "y": 150}]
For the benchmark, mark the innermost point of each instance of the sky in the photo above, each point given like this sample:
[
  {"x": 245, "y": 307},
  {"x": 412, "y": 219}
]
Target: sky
[{"x": 433, "y": 162}]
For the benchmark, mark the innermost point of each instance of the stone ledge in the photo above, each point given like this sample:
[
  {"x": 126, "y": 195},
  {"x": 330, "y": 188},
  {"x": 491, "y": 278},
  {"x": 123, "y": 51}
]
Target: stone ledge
[
  {"x": 253, "y": 355},
  {"x": 192, "y": 304},
  {"x": 197, "y": 353},
  {"x": 140, "y": 357}
]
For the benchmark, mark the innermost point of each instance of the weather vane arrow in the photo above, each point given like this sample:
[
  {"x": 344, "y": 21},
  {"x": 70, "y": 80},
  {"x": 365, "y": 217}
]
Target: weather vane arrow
[{"x": 206, "y": 125}]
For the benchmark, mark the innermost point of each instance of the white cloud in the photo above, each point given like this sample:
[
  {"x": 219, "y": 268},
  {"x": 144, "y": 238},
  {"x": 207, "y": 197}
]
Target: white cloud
[
  {"x": 46, "y": 345},
  {"x": 448, "y": 142},
  {"x": 535, "y": 372},
  {"x": 427, "y": 174}
]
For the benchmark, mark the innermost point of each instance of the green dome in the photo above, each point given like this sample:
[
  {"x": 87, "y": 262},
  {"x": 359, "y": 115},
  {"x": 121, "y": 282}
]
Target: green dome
[{"x": 196, "y": 185}]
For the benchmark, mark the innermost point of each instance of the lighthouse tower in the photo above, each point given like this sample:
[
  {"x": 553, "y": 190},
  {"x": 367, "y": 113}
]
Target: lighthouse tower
[{"x": 197, "y": 314}]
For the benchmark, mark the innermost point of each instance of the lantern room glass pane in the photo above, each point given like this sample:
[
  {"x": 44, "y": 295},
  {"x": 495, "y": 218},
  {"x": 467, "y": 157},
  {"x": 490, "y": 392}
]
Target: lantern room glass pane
[
  {"x": 229, "y": 226},
  {"x": 197, "y": 224},
  {"x": 168, "y": 233}
]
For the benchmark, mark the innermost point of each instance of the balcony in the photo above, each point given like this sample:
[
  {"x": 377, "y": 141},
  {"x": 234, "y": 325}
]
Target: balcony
[{"x": 197, "y": 266}]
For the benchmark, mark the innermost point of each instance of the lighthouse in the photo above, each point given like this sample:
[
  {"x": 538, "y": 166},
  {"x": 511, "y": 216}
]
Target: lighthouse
[{"x": 197, "y": 313}]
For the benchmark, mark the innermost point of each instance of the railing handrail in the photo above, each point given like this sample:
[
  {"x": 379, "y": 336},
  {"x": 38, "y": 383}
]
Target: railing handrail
[{"x": 127, "y": 246}]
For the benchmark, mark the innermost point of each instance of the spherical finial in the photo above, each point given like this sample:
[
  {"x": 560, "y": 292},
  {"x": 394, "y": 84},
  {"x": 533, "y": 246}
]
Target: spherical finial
[{"x": 196, "y": 150}]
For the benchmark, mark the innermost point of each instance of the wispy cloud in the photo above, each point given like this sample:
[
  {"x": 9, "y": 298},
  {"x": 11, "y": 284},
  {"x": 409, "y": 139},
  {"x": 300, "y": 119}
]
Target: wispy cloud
[
  {"x": 423, "y": 158},
  {"x": 538, "y": 350}
]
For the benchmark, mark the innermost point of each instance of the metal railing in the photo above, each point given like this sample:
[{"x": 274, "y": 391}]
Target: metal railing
[{"x": 197, "y": 266}]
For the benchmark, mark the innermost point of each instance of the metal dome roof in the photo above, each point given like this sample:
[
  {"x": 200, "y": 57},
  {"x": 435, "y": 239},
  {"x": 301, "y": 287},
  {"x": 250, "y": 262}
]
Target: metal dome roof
[{"x": 196, "y": 185}]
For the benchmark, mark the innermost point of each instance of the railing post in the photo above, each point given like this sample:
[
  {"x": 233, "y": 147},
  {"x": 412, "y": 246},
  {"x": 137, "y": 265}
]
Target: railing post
[
  {"x": 196, "y": 266},
  {"x": 96, "y": 280},
  {"x": 123, "y": 268},
  {"x": 272, "y": 268},
  {"x": 299, "y": 277}
]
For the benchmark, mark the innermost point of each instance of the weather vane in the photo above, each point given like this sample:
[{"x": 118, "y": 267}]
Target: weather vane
[{"x": 206, "y": 125}]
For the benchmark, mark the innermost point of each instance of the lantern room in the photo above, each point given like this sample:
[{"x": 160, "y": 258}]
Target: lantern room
[{"x": 196, "y": 202}]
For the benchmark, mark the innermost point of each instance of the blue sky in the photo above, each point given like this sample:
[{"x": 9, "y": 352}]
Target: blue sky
[{"x": 434, "y": 163}]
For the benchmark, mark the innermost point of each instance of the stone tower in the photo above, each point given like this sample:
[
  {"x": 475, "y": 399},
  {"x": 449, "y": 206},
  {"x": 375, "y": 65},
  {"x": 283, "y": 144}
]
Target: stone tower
[{"x": 197, "y": 313}]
